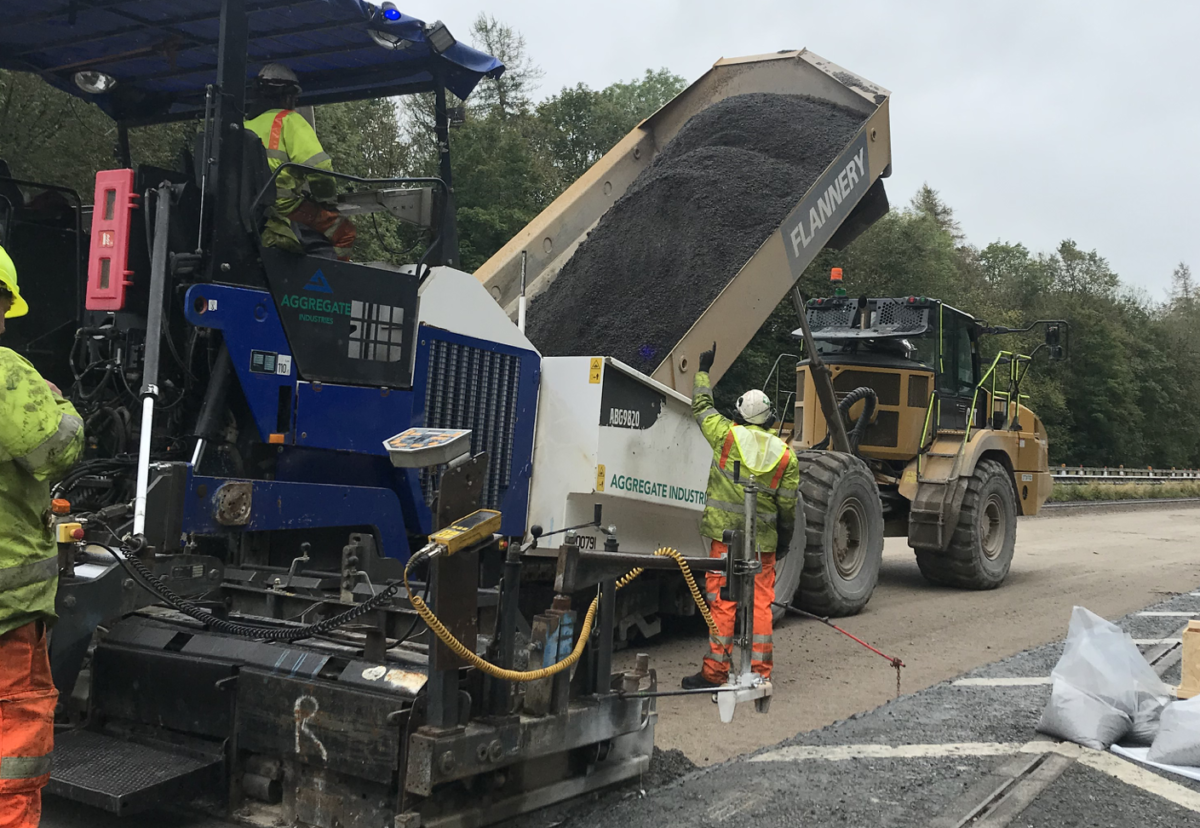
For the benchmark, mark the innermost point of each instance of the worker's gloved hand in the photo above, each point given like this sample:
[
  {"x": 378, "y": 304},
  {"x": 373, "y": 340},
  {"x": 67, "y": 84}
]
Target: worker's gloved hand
[
  {"x": 707, "y": 358},
  {"x": 784, "y": 543}
]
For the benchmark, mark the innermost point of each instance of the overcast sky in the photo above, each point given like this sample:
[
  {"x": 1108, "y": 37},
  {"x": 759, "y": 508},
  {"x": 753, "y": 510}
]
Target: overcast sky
[{"x": 1037, "y": 121}]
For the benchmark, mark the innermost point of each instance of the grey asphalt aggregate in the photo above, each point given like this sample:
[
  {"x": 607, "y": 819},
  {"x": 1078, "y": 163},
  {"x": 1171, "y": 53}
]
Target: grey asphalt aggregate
[{"x": 820, "y": 792}]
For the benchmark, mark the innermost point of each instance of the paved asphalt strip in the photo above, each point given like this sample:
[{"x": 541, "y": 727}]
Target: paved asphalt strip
[{"x": 957, "y": 754}]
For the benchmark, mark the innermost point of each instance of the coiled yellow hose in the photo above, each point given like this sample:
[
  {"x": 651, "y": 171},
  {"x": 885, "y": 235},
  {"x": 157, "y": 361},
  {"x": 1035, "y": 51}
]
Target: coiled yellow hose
[{"x": 585, "y": 630}]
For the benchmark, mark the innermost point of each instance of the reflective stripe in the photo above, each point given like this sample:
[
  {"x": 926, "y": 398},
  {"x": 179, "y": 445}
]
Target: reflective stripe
[
  {"x": 710, "y": 596},
  {"x": 763, "y": 658},
  {"x": 739, "y": 509},
  {"x": 728, "y": 447},
  {"x": 278, "y": 155},
  {"x": 15, "y": 577},
  {"x": 24, "y": 767},
  {"x": 284, "y": 192},
  {"x": 68, "y": 426},
  {"x": 782, "y": 467},
  {"x": 787, "y": 494},
  {"x": 720, "y": 640},
  {"x": 316, "y": 159},
  {"x": 277, "y": 129},
  {"x": 719, "y": 658},
  {"x": 762, "y": 639},
  {"x": 701, "y": 389},
  {"x": 728, "y": 475},
  {"x": 726, "y": 506},
  {"x": 706, "y": 413}
]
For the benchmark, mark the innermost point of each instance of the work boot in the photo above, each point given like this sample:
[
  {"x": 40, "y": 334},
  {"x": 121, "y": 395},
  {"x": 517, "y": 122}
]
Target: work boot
[{"x": 698, "y": 682}]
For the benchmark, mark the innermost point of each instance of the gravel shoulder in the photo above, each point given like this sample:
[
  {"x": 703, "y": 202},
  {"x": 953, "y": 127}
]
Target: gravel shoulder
[{"x": 806, "y": 781}]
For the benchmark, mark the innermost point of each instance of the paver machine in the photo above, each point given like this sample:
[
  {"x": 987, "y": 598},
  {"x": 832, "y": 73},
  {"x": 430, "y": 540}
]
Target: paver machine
[{"x": 291, "y": 558}]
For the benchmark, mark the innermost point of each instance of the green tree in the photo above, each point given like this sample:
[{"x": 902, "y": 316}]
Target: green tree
[
  {"x": 363, "y": 138},
  {"x": 579, "y": 124},
  {"x": 49, "y": 136}
]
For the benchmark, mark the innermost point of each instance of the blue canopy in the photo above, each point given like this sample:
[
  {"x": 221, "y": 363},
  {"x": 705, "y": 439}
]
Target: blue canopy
[{"x": 163, "y": 53}]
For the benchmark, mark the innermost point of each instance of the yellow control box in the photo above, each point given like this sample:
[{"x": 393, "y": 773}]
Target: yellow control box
[
  {"x": 69, "y": 532},
  {"x": 468, "y": 531}
]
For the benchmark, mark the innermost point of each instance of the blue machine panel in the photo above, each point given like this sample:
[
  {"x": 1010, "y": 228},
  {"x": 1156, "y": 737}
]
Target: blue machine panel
[
  {"x": 276, "y": 504},
  {"x": 458, "y": 382},
  {"x": 463, "y": 382},
  {"x": 252, "y": 330}
]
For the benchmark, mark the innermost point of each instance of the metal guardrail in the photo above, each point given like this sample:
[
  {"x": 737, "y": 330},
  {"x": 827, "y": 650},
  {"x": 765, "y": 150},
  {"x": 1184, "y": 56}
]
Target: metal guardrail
[{"x": 1120, "y": 474}]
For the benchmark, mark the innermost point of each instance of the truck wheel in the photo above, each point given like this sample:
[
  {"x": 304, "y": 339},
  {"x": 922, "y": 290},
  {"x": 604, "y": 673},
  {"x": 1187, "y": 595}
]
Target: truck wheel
[
  {"x": 981, "y": 549},
  {"x": 843, "y": 533},
  {"x": 788, "y": 569}
]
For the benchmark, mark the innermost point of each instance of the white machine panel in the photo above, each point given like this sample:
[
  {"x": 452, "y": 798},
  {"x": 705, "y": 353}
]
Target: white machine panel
[{"x": 608, "y": 434}]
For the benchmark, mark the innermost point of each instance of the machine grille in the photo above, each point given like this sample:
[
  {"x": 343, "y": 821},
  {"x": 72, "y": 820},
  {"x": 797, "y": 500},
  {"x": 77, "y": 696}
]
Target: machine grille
[
  {"x": 835, "y": 316},
  {"x": 899, "y": 318},
  {"x": 887, "y": 386},
  {"x": 918, "y": 391},
  {"x": 476, "y": 389},
  {"x": 885, "y": 431}
]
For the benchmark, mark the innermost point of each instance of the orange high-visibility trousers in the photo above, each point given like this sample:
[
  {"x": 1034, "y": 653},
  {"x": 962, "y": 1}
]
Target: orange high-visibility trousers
[
  {"x": 27, "y": 699},
  {"x": 335, "y": 227},
  {"x": 720, "y": 644}
]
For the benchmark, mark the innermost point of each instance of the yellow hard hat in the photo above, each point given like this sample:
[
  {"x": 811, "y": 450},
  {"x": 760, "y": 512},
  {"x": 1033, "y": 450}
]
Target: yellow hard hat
[{"x": 8, "y": 278}]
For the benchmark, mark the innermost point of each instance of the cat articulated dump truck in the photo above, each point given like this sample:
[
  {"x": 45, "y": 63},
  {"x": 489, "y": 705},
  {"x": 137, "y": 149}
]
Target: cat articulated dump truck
[{"x": 923, "y": 439}]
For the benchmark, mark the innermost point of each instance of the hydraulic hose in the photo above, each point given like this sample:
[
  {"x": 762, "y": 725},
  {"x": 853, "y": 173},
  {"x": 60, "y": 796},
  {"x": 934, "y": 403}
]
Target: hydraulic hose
[
  {"x": 585, "y": 630},
  {"x": 153, "y": 584},
  {"x": 855, "y": 434}
]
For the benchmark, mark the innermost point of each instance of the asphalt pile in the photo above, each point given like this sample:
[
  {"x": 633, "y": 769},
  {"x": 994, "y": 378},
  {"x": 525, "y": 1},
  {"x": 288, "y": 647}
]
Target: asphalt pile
[{"x": 664, "y": 251}]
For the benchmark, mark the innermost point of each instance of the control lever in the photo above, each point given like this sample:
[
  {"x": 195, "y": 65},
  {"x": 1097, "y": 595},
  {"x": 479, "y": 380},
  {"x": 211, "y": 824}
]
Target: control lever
[{"x": 538, "y": 532}]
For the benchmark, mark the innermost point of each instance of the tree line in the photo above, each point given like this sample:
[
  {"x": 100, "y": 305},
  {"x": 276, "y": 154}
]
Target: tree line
[{"x": 1128, "y": 392}]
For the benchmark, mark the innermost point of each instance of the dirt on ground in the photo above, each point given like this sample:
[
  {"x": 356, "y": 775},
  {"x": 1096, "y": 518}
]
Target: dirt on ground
[{"x": 1112, "y": 562}]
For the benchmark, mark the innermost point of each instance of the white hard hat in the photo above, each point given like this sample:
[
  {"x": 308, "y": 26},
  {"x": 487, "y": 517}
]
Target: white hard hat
[
  {"x": 278, "y": 74},
  {"x": 754, "y": 407}
]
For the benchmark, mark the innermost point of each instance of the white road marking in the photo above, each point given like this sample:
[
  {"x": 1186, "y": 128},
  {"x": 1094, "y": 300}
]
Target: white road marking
[
  {"x": 1012, "y": 681},
  {"x": 835, "y": 753},
  {"x": 1168, "y": 614},
  {"x": 1139, "y": 777},
  {"x": 1114, "y": 766}
]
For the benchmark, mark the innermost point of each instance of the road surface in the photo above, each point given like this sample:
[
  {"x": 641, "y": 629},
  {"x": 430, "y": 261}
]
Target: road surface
[{"x": 1110, "y": 562}]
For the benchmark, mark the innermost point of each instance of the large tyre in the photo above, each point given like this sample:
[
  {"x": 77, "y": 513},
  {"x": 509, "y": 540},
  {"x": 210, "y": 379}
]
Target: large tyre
[
  {"x": 981, "y": 550},
  {"x": 843, "y": 534},
  {"x": 789, "y": 567}
]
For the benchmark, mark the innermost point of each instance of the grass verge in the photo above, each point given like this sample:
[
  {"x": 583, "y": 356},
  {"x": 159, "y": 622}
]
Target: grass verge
[{"x": 1064, "y": 492}]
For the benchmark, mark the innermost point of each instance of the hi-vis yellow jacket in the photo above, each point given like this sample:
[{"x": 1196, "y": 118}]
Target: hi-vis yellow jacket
[
  {"x": 41, "y": 437},
  {"x": 760, "y": 453},
  {"x": 290, "y": 138}
]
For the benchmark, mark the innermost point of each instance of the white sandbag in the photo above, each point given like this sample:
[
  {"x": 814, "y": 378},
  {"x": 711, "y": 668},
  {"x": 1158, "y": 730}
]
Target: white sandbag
[
  {"x": 1178, "y": 739},
  {"x": 1077, "y": 717},
  {"x": 1101, "y": 670}
]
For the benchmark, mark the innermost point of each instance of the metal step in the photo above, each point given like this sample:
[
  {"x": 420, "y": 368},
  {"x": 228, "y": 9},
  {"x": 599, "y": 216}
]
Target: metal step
[{"x": 125, "y": 777}]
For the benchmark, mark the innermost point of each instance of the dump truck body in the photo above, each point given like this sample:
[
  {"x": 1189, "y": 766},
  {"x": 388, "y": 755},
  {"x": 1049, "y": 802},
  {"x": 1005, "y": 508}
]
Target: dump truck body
[{"x": 829, "y": 212}]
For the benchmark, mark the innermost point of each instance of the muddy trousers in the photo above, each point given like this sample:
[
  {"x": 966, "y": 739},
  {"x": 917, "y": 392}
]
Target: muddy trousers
[
  {"x": 720, "y": 644},
  {"x": 27, "y": 699},
  {"x": 336, "y": 228}
]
